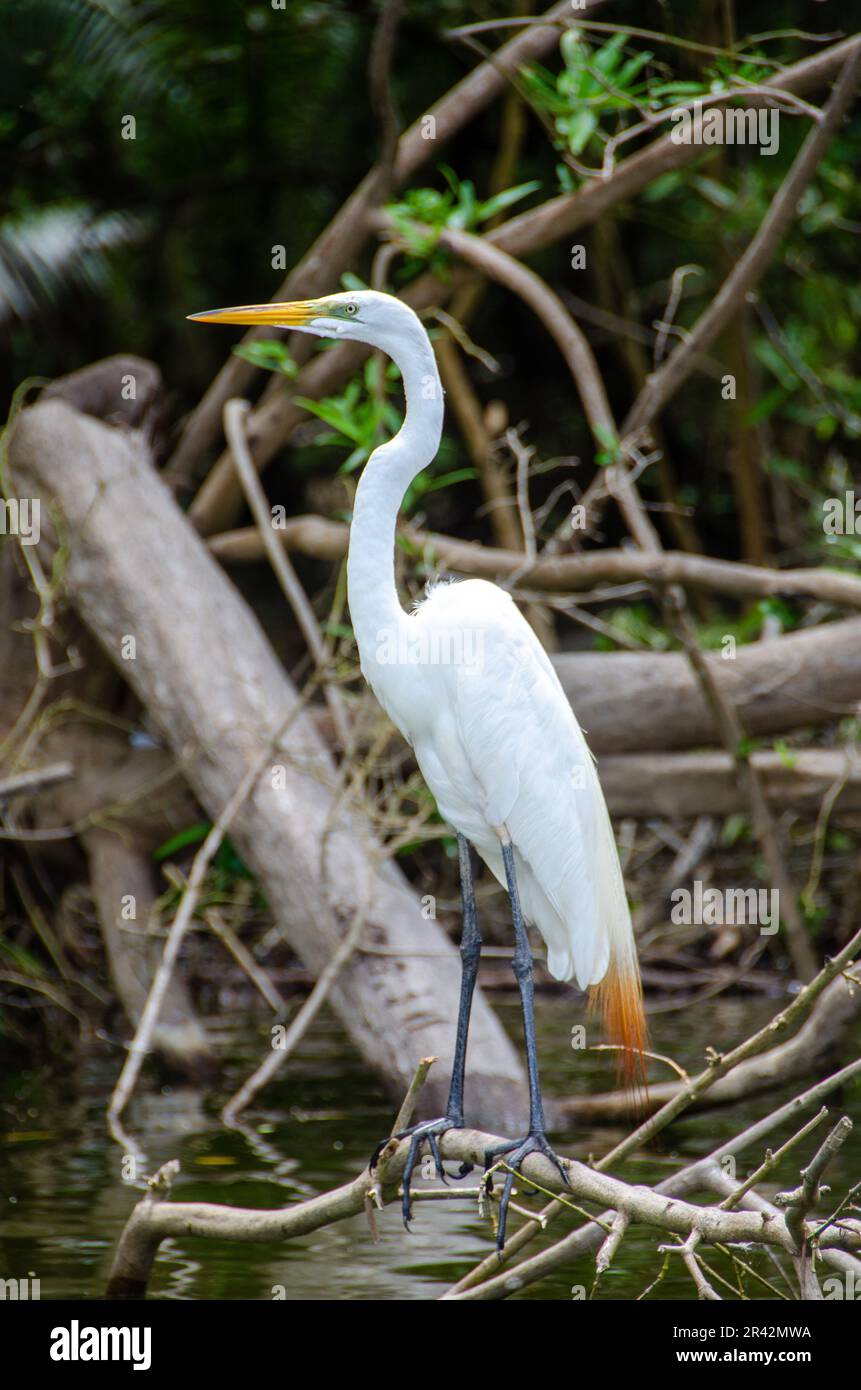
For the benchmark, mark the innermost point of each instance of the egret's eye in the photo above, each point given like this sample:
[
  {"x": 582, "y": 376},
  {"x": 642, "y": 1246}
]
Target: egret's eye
[{"x": 351, "y": 309}]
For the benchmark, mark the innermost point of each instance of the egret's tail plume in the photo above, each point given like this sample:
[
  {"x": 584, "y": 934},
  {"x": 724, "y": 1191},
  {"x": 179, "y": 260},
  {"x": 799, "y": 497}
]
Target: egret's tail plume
[{"x": 619, "y": 996}]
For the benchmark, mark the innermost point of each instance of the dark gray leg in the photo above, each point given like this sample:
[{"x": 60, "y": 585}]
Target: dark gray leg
[
  {"x": 470, "y": 952},
  {"x": 522, "y": 966},
  {"x": 429, "y": 1130},
  {"x": 536, "y": 1140}
]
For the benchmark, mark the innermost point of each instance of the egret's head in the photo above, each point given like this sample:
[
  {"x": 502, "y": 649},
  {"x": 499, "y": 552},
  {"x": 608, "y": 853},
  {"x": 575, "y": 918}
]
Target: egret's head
[{"x": 364, "y": 316}]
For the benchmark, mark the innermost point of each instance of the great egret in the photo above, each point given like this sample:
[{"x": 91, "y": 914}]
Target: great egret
[{"x": 470, "y": 687}]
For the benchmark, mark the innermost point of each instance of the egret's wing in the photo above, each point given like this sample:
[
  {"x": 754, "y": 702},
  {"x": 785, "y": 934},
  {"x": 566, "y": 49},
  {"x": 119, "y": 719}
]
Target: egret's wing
[{"x": 528, "y": 753}]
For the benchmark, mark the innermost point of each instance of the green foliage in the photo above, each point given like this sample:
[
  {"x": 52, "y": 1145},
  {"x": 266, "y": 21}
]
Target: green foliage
[
  {"x": 423, "y": 213},
  {"x": 184, "y": 839},
  {"x": 597, "y": 86},
  {"x": 226, "y": 869},
  {"x": 608, "y": 454},
  {"x": 636, "y": 622},
  {"x": 269, "y": 354},
  {"x": 593, "y": 84},
  {"x": 361, "y": 415},
  {"x": 18, "y": 958},
  {"x": 735, "y": 829}
]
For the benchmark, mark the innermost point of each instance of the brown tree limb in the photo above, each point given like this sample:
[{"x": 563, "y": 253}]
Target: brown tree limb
[
  {"x": 678, "y": 785},
  {"x": 235, "y": 412},
  {"x": 322, "y": 539}
]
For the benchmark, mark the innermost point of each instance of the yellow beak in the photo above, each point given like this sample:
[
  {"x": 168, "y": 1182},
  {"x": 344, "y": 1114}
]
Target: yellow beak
[{"x": 254, "y": 315}]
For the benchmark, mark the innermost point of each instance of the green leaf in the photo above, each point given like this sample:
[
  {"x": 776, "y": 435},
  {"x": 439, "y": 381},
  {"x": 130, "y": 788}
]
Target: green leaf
[
  {"x": 491, "y": 206},
  {"x": 270, "y": 354},
  {"x": 577, "y": 129},
  {"x": 424, "y": 483},
  {"x": 192, "y": 835},
  {"x": 334, "y": 414},
  {"x": 785, "y": 753},
  {"x": 734, "y": 829}
]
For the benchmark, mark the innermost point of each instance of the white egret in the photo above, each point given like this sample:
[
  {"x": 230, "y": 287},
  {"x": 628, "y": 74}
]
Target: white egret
[{"x": 470, "y": 687}]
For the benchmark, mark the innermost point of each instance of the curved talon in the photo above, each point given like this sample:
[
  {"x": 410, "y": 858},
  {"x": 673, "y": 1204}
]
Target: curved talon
[
  {"x": 503, "y": 1209},
  {"x": 435, "y": 1154},
  {"x": 536, "y": 1142},
  {"x": 409, "y": 1167},
  {"x": 426, "y": 1130}
]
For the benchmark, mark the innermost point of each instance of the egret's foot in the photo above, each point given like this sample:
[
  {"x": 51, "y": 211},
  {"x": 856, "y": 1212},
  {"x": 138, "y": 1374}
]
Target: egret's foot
[
  {"x": 535, "y": 1143},
  {"x": 429, "y": 1131}
]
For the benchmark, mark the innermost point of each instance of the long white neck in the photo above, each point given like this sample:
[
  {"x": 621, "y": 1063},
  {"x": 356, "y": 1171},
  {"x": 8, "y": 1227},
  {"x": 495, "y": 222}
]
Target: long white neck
[{"x": 375, "y": 608}]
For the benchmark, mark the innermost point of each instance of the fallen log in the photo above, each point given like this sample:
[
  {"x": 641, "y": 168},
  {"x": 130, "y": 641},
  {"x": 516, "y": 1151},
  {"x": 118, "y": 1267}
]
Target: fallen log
[
  {"x": 681, "y": 786},
  {"x": 633, "y": 703},
  {"x": 193, "y": 652}
]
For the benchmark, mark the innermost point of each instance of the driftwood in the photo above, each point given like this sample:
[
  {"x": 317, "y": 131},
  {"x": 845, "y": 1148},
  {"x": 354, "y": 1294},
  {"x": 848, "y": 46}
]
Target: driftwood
[
  {"x": 209, "y": 679},
  {"x": 118, "y": 870},
  {"x": 628, "y": 702},
  {"x": 121, "y": 389},
  {"x": 682, "y": 786},
  {"x": 96, "y": 766}
]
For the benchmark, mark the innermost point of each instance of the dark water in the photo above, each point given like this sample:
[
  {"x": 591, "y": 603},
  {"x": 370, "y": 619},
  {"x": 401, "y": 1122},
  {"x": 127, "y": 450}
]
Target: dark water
[{"x": 63, "y": 1201}]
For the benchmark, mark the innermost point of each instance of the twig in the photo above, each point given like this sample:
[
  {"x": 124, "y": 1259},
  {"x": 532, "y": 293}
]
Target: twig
[
  {"x": 235, "y": 412},
  {"x": 36, "y": 780},
  {"x": 802, "y": 1199},
  {"x": 523, "y": 453},
  {"x": 771, "y": 1160},
  {"x": 306, "y": 1015},
  {"x": 486, "y": 1274},
  {"x": 151, "y": 1223},
  {"x": 244, "y": 959}
]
